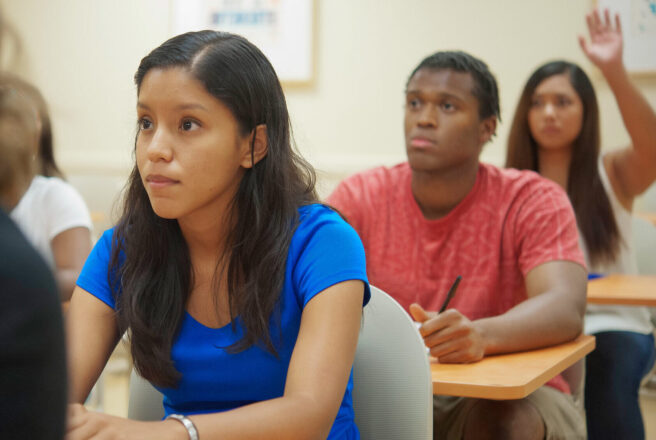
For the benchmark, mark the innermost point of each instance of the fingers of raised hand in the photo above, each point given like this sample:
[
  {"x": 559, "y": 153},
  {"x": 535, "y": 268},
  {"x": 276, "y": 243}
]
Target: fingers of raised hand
[{"x": 599, "y": 26}]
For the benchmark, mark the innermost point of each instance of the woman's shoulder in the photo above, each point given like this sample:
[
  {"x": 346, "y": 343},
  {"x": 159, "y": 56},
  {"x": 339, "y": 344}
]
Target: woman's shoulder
[
  {"x": 55, "y": 190},
  {"x": 317, "y": 214},
  {"x": 51, "y": 183},
  {"x": 104, "y": 243},
  {"x": 320, "y": 220}
]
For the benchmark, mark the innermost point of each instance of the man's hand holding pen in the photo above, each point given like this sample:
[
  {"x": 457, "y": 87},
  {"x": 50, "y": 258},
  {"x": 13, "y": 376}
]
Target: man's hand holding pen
[{"x": 450, "y": 335}]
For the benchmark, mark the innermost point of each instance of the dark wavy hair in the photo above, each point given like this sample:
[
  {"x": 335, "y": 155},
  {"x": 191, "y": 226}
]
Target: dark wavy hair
[
  {"x": 594, "y": 214},
  {"x": 485, "y": 84},
  {"x": 153, "y": 282}
]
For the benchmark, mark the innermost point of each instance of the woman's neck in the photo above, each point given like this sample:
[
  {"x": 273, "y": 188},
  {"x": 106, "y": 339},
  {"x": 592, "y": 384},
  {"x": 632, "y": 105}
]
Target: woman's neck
[
  {"x": 205, "y": 239},
  {"x": 554, "y": 165}
]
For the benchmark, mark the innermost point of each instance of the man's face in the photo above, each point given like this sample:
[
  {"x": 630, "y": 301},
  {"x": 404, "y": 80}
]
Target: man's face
[{"x": 443, "y": 131}]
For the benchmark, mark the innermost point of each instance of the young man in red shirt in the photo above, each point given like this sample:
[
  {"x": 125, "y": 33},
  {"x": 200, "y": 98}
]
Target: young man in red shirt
[{"x": 510, "y": 234}]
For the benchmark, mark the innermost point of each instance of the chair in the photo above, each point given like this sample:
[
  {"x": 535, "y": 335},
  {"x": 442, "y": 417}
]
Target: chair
[
  {"x": 392, "y": 386},
  {"x": 145, "y": 401}
]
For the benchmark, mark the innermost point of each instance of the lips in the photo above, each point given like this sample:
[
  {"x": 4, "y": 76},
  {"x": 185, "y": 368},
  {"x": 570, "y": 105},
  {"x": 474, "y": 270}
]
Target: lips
[
  {"x": 550, "y": 129},
  {"x": 159, "y": 181},
  {"x": 421, "y": 142}
]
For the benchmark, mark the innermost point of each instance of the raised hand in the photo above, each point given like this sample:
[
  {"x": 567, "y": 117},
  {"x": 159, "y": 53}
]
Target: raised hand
[{"x": 605, "y": 46}]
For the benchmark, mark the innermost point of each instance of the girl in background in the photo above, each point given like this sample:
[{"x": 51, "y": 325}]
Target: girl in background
[
  {"x": 555, "y": 132},
  {"x": 241, "y": 295},
  {"x": 51, "y": 213}
]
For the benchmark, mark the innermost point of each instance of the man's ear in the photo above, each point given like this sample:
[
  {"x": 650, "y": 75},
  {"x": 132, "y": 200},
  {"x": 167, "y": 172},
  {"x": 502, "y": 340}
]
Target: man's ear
[
  {"x": 487, "y": 128},
  {"x": 260, "y": 141}
]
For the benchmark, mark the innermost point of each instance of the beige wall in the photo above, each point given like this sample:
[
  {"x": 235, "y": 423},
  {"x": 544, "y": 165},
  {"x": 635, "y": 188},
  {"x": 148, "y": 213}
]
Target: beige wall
[{"x": 83, "y": 53}]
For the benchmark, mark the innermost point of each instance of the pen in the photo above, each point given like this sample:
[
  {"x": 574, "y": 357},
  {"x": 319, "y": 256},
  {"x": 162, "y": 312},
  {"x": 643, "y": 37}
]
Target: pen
[{"x": 452, "y": 292}]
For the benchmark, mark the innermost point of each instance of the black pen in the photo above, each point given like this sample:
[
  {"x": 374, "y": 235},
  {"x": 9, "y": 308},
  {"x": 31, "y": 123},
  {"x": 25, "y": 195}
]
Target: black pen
[{"x": 452, "y": 292}]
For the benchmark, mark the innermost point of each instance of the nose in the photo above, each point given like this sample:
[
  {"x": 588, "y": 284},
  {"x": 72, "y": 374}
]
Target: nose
[
  {"x": 550, "y": 110},
  {"x": 428, "y": 116},
  {"x": 159, "y": 146}
]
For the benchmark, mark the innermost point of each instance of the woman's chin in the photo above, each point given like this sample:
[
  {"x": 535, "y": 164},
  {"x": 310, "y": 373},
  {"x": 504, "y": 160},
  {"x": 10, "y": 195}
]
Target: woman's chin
[{"x": 166, "y": 212}]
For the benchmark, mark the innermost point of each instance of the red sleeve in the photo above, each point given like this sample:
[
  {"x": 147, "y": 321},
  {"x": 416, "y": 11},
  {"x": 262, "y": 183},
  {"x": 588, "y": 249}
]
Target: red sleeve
[
  {"x": 545, "y": 227},
  {"x": 347, "y": 198}
]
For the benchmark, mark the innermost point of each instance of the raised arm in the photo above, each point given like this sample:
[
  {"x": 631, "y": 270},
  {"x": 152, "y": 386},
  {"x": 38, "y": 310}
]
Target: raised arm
[
  {"x": 631, "y": 170},
  {"x": 552, "y": 314}
]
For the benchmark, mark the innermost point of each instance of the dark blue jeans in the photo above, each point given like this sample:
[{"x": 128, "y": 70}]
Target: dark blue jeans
[{"x": 612, "y": 378}]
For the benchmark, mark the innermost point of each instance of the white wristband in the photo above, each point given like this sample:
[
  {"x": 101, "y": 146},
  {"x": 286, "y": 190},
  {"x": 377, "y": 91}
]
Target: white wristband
[{"x": 188, "y": 424}]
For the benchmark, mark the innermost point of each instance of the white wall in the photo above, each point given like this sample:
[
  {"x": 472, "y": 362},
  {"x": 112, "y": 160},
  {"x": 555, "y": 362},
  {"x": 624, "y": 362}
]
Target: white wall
[{"x": 83, "y": 53}]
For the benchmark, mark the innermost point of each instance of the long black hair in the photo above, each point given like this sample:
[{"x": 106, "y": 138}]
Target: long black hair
[
  {"x": 150, "y": 269},
  {"x": 594, "y": 214}
]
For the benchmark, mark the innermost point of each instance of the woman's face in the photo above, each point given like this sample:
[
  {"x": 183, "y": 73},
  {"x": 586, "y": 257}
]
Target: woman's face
[
  {"x": 555, "y": 117},
  {"x": 189, "y": 150}
]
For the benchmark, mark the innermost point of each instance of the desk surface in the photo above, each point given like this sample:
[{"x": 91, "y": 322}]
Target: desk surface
[
  {"x": 508, "y": 376},
  {"x": 634, "y": 290}
]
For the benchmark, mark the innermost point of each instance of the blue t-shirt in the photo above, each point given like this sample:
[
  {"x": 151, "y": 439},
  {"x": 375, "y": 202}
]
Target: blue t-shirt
[{"x": 324, "y": 251}]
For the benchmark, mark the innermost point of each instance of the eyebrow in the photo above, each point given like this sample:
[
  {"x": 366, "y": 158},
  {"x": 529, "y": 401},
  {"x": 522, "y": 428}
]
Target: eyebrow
[
  {"x": 190, "y": 106},
  {"x": 558, "y": 94},
  {"x": 436, "y": 94}
]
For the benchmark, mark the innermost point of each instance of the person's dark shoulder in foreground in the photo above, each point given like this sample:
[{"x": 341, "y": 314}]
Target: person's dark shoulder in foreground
[{"x": 32, "y": 355}]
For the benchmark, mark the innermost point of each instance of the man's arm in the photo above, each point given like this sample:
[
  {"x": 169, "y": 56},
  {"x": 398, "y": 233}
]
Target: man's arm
[{"x": 552, "y": 314}]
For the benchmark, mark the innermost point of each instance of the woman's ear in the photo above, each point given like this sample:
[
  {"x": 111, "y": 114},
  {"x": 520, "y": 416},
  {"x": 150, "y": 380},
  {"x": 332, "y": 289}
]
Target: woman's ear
[{"x": 260, "y": 142}]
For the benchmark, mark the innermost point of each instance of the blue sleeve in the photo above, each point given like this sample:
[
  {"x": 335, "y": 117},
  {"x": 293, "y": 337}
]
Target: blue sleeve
[
  {"x": 327, "y": 251},
  {"x": 94, "y": 275}
]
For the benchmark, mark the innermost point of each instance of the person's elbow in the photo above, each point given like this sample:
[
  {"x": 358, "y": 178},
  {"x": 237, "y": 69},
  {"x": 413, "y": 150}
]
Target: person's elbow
[
  {"x": 316, "y": 416},
  {"x": 574, "y": 313}
]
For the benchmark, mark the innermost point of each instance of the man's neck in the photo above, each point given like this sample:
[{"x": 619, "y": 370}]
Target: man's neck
[{"x": 437, "y": 193}]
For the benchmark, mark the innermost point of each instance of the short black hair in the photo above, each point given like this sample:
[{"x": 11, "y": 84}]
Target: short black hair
[{"x": 485, "y": 84}]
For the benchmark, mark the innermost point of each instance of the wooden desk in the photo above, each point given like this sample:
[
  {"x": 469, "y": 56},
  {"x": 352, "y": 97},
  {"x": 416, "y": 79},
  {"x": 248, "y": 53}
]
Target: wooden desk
[
  {"x": 632, "y": 290},
  {"x": 508, "y": 376}
]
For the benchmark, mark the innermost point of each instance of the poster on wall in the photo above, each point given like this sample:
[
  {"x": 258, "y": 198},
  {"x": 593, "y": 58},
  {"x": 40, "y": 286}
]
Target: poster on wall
[
  {"x": 638, "y": 19},
  {"x": 282, "y": 29}
]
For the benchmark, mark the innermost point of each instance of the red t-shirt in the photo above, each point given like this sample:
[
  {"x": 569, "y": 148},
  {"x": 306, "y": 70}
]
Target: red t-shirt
[{"x": 510, "y": 222}]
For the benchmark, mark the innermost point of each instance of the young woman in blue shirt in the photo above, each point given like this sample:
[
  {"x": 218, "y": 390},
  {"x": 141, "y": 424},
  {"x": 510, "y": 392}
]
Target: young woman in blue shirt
[{"x": 240, "y": 294}]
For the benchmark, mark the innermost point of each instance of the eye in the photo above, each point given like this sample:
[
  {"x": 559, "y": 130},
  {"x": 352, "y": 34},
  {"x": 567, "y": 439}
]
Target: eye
[
  {"x": 563, "y": 101},
  {"x": 448, "y": 106},
  {"x": 536, "y": 102},
  {"x": 413, "y": 103},
  {"x": 189, "y": 125},
  {"x": 144, "y": 124}
]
